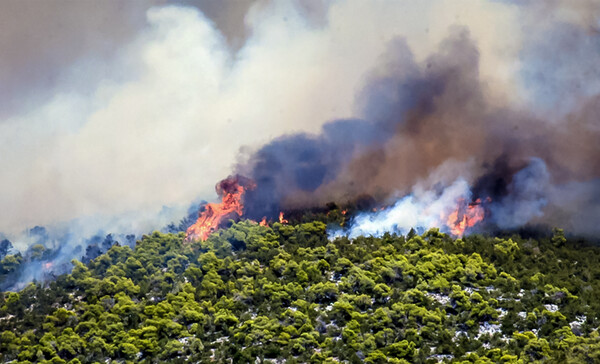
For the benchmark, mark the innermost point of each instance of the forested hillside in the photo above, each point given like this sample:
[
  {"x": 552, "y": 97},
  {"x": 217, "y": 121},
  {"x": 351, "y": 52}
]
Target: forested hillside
[{"x": 286, "y": 293}]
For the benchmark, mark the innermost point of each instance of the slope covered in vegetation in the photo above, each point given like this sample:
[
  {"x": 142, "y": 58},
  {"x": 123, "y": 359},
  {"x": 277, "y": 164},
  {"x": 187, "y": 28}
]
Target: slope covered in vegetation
[{"x": 252, "y": 293}]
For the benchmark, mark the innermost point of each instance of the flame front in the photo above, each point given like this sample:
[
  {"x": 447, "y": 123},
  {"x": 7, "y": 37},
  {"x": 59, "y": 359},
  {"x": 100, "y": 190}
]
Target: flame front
[
  {"x": 281, "y": 218},
  {"x": 465, "y": 216},
  {"x": 231, "y": 191}
]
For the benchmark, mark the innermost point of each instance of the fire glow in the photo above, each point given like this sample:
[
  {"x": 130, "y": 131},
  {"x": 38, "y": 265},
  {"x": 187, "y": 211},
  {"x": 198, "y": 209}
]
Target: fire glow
[
  {"x": 454, "y": 214},
  {"x": 465, "y": 216},
  {"x": 446, "y": 209},
  {"x": 282, "y": 220},
  {"x": 232, "y": 191}
]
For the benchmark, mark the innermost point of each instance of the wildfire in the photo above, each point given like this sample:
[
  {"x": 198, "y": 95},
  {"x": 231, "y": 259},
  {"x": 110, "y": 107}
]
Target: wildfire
[
  {"x": 231, "y": 190},
  {"x": 281, "y": 219},
  {"x": 263, "y": 222},
  {"x": 465, "y": 216}
]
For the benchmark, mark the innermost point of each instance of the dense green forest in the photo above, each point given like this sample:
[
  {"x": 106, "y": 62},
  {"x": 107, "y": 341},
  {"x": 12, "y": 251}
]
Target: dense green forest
[{"x": 286, "y": 293}]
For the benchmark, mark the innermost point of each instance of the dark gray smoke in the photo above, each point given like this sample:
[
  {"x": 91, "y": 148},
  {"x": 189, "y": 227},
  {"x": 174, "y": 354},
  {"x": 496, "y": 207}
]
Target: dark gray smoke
[
  {"x": 420, "y": 116},
  {"x": 305, "y": 162},
  {"x": 524, "y": 198}
]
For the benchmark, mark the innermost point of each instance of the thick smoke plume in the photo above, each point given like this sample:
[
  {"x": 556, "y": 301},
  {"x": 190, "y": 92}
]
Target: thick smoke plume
[{"x": 420, "y": 115}]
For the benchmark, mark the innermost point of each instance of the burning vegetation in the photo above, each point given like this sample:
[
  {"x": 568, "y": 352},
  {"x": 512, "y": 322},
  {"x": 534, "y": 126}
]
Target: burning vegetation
[
  {"x": 211, "y": 218},
  {"x": 435, "y": 121},
  {"x": 465, "y": 216},
  {"x": 462, "y": 217},
  {"x": 231, "y": 190}
]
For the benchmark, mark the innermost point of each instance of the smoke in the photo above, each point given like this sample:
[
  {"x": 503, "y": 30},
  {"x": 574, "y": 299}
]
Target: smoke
[
  {"x": 559, "y": 57},
  {"x": 576, "y": 206},
  {"x": 419, "y": 210},
  {"x": 47, "y": 252},
  {"x": 148, "y": 108},
  {"x": 427, "y": 112},
  {"x": 525, "y": 196},
  {"x": 160, "y": 119}
]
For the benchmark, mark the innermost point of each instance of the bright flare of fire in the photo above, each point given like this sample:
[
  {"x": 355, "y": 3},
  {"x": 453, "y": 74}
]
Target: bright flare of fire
[
  {"x": 263, "y": 222},
  {"x": 465, "y": 216},
  {"x": 232, "y": 191},
  {"x": 281, "y": 219},
  {"x": 423, "y": 209}
]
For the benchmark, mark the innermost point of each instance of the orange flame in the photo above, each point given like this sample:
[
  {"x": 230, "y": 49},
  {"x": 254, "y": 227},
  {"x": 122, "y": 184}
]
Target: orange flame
[
  {"x": 263, "y": 222},
  {"x": 465, "y": 216},
  {"x": 281, "y": 219},
  {"x": 231, "y": 190}
]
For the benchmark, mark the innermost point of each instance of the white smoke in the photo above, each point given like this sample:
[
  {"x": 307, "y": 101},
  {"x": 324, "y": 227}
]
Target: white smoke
[
  {"x": 163, "y": 119},
  {"x": 421, "y": 210}
]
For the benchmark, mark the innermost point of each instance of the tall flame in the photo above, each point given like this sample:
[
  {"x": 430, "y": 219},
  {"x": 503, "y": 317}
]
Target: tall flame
[
  {"x": 281, "y": 218},
  {"x": 231, "y": 190},
  {"x": 465, "y": 216}
]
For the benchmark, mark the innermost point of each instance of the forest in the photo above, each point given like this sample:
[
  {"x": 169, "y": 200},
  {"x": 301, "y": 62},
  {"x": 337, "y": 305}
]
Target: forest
[{"x": 287, "y": 293}]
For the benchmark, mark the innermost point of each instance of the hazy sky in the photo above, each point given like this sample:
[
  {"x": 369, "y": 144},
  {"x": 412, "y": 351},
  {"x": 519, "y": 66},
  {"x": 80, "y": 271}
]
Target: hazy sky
[{"x": 118, "y": 106}]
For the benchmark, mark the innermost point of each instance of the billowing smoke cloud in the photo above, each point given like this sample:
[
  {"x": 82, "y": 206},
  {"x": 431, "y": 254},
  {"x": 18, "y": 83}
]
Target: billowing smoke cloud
[
  {"x": 525, "y": 196},
  {"x": 427, "y": 112},
  {"x": 156, "y": 110}
]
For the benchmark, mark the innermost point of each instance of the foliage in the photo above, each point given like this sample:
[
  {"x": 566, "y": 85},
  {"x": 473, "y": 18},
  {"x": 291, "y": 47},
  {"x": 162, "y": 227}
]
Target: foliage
[{"x": 256, "y": 294}]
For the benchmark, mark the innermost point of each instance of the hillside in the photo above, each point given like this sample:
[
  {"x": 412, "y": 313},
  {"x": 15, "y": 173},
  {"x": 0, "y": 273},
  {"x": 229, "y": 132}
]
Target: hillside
[{"x": 286, "y": 293}]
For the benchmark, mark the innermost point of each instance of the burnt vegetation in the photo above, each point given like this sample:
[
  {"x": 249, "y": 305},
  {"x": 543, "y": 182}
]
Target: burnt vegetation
[{"x": 252, "y": 293}]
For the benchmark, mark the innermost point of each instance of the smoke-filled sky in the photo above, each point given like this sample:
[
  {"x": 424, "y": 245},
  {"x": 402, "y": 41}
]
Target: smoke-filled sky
[{"x": 113, "y": 107}]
